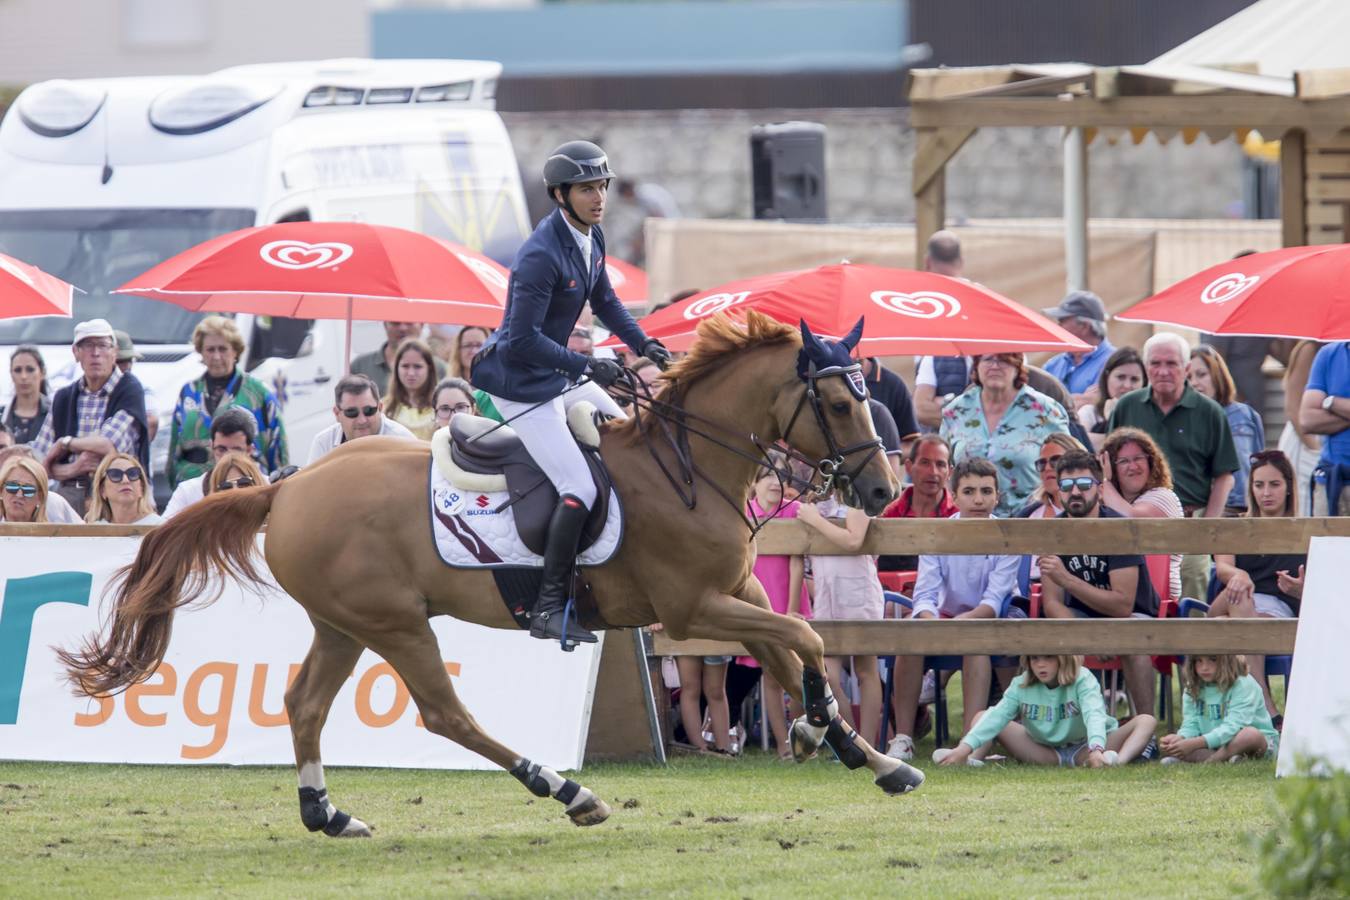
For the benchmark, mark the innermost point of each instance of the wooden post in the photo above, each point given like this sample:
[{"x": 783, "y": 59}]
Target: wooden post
[
  {"x": 1293, "y": 188},
  {"x": 930, "y": 214},
  {"x": 624, "y": 714},
  {"x": 934, "y": 147}
]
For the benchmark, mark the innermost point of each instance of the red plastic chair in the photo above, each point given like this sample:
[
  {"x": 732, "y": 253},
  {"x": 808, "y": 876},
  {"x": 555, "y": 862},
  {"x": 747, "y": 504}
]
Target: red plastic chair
[{"x": 900, "y": 582}]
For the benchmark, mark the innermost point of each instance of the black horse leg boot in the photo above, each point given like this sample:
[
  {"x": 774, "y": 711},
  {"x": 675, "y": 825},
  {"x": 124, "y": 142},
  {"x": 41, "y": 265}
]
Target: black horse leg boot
[{"x": 560, "y": 556}]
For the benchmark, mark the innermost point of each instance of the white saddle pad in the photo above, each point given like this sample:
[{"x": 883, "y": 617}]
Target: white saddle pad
[{"x": 471, "y": 533}]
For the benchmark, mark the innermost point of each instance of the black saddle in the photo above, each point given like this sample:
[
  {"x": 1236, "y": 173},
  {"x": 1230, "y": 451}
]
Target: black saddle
[{"x": 479, "y": 445}]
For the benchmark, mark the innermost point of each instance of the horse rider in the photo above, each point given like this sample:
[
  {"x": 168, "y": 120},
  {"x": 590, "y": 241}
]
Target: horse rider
[{"x": 533, "y": 379}]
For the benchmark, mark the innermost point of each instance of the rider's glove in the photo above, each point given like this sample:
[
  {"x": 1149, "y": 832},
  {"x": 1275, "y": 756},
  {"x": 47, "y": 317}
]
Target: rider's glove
[
  {"x": 604, "y": 372},
  {"x": 657, "y": 353}
]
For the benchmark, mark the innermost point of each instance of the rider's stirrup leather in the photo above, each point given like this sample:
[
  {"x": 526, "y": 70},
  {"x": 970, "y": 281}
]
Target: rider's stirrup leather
[{"x": 560, "y": 556}]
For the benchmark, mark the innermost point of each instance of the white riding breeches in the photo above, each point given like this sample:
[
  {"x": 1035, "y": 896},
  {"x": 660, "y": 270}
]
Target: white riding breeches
[{"x": 544, "y": 432}]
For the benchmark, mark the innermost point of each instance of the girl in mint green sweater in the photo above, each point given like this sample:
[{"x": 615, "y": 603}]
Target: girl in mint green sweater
[
  {"x": 1061, "y": 720},
  {"x": 1224, "y": 714}
]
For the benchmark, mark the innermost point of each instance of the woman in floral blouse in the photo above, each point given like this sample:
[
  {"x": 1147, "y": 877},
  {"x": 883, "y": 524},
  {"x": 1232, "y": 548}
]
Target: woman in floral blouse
[{"x": 1001, "y": 419}]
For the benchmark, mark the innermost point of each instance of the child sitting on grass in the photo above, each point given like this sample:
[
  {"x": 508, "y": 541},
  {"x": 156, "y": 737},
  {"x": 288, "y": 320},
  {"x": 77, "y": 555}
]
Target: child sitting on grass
[
  {"x": 1224, "y": 715},
  {"x": 1062, "y": 720}
]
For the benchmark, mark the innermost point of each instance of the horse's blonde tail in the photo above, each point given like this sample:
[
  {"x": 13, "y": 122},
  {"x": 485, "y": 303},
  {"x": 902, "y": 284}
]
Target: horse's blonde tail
[{"x": 176, "y": 564}]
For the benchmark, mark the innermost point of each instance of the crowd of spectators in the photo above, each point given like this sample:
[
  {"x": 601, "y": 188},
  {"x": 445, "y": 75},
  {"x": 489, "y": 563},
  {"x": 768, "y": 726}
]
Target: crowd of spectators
[
  {"x": 1158, "y": 431},
  {"x": 68, "y": 454},
  {"x": 1165, "y": 430}
]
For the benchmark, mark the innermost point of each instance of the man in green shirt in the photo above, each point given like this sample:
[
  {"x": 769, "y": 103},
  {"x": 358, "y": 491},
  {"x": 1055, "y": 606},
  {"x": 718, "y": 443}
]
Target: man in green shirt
[{"x": 1193, "y": 433}]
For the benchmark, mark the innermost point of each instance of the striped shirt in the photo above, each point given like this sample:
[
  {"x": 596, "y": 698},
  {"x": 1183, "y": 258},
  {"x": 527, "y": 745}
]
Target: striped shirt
[{"x": 91, "y": 412}]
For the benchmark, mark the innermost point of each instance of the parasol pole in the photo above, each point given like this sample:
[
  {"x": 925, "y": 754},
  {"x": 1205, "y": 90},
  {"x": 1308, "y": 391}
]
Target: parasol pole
[{"x": 347, "y": 359}]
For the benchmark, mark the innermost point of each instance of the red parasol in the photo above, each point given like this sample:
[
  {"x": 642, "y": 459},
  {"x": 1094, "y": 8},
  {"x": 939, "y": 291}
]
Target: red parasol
[
  {"x": 628, "y": 281},
  {"x": 907, "y": 312},
  {"x": 28, "y": 291},
  {"x": 1297, "y": 292},
  {"x": 332, "y": 270}
]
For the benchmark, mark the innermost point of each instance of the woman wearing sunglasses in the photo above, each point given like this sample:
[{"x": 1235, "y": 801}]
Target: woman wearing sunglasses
[
  {"x": 233, "y": 471},
  {"x": 23, "y": 490},
  {"x": 119, "y": 494}
]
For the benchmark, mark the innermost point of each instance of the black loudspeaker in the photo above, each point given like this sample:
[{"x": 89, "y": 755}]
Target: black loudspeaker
[{"x": 787, "y": 161}]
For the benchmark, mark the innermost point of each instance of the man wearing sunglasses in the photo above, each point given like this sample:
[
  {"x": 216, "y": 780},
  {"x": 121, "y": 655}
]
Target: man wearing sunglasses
[
  {"x": 1087, "y": 586},
  {"x": 233, "y": 430},
  {"x": 359, "y": 414}
]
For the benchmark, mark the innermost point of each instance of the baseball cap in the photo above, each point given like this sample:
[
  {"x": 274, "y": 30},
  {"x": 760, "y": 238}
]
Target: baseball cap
[
  {"x": 1083, "y": 304},
  {"x": 94, "y": 328},
  {"x": 125, "y": 348}
]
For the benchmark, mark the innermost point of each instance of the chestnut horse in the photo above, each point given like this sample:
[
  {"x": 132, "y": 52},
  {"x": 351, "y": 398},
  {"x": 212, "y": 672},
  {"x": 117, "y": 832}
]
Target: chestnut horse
[{"x": 345, "y": 540}]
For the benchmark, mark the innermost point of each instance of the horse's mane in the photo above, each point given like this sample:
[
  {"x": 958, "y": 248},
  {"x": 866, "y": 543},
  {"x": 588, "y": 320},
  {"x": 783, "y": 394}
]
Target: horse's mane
[{"x": 720, "y": 338}]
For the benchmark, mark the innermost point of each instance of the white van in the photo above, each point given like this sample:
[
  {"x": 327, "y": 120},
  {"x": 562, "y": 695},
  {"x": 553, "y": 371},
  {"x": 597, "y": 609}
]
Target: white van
[{"x": 102, "y": 179}]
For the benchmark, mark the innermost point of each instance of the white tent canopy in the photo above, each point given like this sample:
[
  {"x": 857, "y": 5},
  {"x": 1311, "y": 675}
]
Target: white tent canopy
[{"x": 1272, "y": 38}]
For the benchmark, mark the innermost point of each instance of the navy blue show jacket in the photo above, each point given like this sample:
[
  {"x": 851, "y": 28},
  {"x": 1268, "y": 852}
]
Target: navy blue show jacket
[{"x": 527, "y": 359}]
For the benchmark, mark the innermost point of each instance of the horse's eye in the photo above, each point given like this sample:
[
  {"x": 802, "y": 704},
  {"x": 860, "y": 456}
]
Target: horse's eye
[{"x": 840, "y": 409}]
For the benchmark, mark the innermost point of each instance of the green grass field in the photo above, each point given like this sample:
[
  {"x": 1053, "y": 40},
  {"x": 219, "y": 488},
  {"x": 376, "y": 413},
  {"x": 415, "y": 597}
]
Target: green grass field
[{"x": 700, "y": 827}]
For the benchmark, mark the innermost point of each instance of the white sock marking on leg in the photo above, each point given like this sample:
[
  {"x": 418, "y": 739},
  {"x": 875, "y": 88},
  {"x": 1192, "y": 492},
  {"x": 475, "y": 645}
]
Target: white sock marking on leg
[{"x": 311, "y": 775}]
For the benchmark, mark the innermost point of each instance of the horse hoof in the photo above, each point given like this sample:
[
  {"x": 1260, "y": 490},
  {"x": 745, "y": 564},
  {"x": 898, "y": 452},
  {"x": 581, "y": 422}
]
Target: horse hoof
[
  {"x": 355, "y": 829},
  {"x": 900, "y": 780},
  {"x": 805, "y": 739},
  {"x": 590, "y": 811}
]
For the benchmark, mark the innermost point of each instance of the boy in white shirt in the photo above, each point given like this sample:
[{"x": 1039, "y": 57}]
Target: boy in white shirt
[{"x": 957, "y": 587}]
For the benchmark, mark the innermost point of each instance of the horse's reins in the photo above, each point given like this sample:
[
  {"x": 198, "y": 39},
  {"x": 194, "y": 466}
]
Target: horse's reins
[{"x": 830, "y": 468}]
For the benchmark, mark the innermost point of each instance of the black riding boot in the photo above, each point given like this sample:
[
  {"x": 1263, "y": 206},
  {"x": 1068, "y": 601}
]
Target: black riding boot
[{"x": 560, "y": 557}]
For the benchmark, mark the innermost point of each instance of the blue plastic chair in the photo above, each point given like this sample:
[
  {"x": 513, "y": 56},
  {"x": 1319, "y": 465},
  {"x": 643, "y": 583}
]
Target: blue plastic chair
[{"x": 1283, "y": 666}]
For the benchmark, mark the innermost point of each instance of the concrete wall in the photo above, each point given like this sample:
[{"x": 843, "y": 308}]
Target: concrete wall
[{"x": 703, "y": 158}]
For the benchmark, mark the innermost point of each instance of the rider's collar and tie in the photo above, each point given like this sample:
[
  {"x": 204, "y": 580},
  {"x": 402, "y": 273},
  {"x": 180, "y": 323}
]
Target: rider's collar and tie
[{"x": 584, "y": 242}]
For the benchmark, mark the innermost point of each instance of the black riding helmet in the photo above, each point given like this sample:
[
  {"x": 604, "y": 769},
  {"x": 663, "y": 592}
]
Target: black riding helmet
[{"x": 574, "y": 163}]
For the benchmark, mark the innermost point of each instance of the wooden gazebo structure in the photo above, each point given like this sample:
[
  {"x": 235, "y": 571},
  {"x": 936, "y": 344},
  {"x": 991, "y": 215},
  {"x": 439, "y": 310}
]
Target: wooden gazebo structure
[{"x": 1281, "y": 67}]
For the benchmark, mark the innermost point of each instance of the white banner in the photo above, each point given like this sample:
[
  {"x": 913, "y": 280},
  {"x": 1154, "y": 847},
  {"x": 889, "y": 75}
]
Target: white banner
[
  {"x": 218, "y": 698},
  {"x": 1317, "y": 709}
]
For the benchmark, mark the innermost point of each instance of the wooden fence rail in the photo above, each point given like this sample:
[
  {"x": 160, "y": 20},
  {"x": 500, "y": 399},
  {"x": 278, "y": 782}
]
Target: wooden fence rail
[
  {"x": 1157, "y": 637},
  {"x": 1022, "y": 536},
  {"x": 1016, "y": 536}
]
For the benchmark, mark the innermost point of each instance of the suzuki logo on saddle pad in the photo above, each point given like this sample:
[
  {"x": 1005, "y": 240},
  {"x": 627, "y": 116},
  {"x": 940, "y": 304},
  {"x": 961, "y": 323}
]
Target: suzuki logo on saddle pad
[
  {"x": 292, "y": 254},
  {"x": 482, "y": 501},
  {"x": 919, "y": 304},
  {"x": 1226, "y": 287}
]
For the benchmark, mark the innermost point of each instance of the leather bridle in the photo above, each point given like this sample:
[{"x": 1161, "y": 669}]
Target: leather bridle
[{"x": 831, "y": 468}]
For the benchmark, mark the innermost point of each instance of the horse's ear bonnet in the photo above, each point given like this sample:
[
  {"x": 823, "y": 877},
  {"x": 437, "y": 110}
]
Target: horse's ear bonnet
[{"x": 819, "y": 358}]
